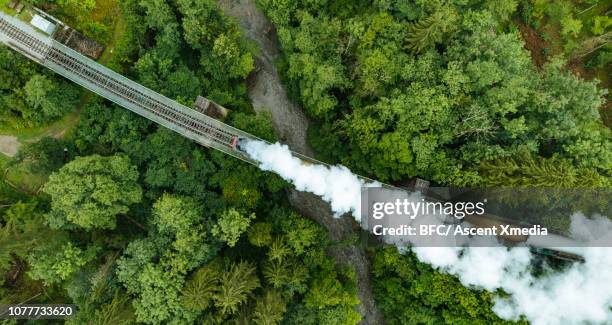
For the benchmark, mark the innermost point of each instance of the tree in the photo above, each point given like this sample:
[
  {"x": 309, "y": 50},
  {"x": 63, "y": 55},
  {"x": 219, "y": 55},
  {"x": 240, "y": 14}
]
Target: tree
[
  {"x": 315, "y": 66},
  {"x": 301, "y": 233},
  {"x": 260, "y": 234},
  {"x": 400, "y": 280},
  {"x": 90, "y": 192},
  {"x": 199, "y": 292},
  {"x": 276, "y": 273},
  {"x": 43, "y": 156},
  {"x": 21, "y": 231},
  {"x": 117, "y": 311},
  {"x": 259, "y": 125},
  {"x": 231, "y": 225},
  {"x": 158, "y": 300},
  {"x": 56, "y": 263},
  {"x": 430, "y": 30},
  {"x": 539, "y": 172},
  {"x": 175, "y": 215},
  {"x": 28, "y": 95},
  {"x": 327, "y": 291},
  {"x": 154, "y": 269},
  {"x": 279, "y": 250},
  {"x": 269, "y": 310},
  {"x": 48, "y": 98},
  {"x": 279, "y": 11},
  {"x": 180, "y": 221},
  {"x": 244, "y": 186},
  {"x": 570, "y": 26},
  {"x": 566, "y": 111},
  {"x": 15, "y": 71},
  {"x": 229, "y": 55},
  {"x": 239, "y": 281},
  {"x": 502, "y": 9},
  {"x": 600, "y": 25},
  {"x": 155, "y": 286},
  {"x": 470, "y": 93},
  {"x": 105, "y": 129},
  {"x": 173, "y": 163},
  {"x": 224, "y": 55},
  {"x": 82, "y": 6}
]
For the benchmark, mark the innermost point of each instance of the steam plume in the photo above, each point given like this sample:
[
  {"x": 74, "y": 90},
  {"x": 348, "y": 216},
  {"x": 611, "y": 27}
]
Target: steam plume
[
  {"x": 579, "y": 295},
  {"x": 336, "y": 184}
]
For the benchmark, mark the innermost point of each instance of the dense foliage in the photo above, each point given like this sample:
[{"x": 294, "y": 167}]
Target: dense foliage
[
  {"x": 445, "y": 91},
  {"x": 432, "y": 89},
  {"x": 581, "y": 25},
  {"x": 90, "y": 192},
  {"x": 136, "y": 224},
  {"x": 142, "y": 225},
  {"x": 29, "y": 94},
  {"x": 410, "y": 292}
]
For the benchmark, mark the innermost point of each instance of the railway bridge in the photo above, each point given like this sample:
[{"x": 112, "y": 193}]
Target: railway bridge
[{"x": 105, "y": 82}]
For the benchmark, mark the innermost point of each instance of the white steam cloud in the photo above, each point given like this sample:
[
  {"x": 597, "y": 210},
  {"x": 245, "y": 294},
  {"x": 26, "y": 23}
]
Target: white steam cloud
[
  {"x": 336, "y": 185},
  {"x": 582, "y": 294}
]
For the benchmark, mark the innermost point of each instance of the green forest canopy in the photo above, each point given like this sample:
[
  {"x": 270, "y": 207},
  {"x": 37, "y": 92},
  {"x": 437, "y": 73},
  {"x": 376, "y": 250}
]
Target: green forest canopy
[
  {"x": 433, "y": 89},
  {"x": 167, "y": 232}
]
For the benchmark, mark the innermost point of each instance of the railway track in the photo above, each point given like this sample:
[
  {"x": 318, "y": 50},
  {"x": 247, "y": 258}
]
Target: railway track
[{"x": 144, "y": 101}]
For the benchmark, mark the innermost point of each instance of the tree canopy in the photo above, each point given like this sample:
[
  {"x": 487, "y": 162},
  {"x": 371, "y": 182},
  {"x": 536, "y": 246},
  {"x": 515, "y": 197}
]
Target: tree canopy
[
  {"x": 136, "y": 224},
  {"x": 29, "y": 95},
  {"x": 90, "y": 192},
  {"x": 432, "y": 90}
]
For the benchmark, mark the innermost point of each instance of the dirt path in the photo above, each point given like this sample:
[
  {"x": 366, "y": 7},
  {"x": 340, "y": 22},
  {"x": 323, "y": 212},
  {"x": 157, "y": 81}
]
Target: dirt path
[
  {"x": 266, "y": 92},
  {"x": 9, "y": 145}
]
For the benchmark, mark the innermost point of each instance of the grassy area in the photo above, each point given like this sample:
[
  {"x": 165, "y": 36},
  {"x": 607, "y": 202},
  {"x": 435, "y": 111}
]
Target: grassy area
[
  {"x": 20, "y": 177},
  {"x": 4, "y": 159},
  {"x": 3, "y": 7},
  {"x": 26, "y": 15},
  {"x": 106, "y": 11},
  {"x": 107, "y": 14},
  {"x": 118, "y": 33},
  {"x": 23, "y": 179},
  {"x": 55, "y": 129}
]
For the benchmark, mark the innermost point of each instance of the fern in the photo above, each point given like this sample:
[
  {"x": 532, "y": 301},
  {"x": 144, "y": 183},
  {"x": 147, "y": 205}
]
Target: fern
[
  {"x": 239, "y": 281},
  {"x": 199, "y": 291},
  {"x": 430, "y": 30}
]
